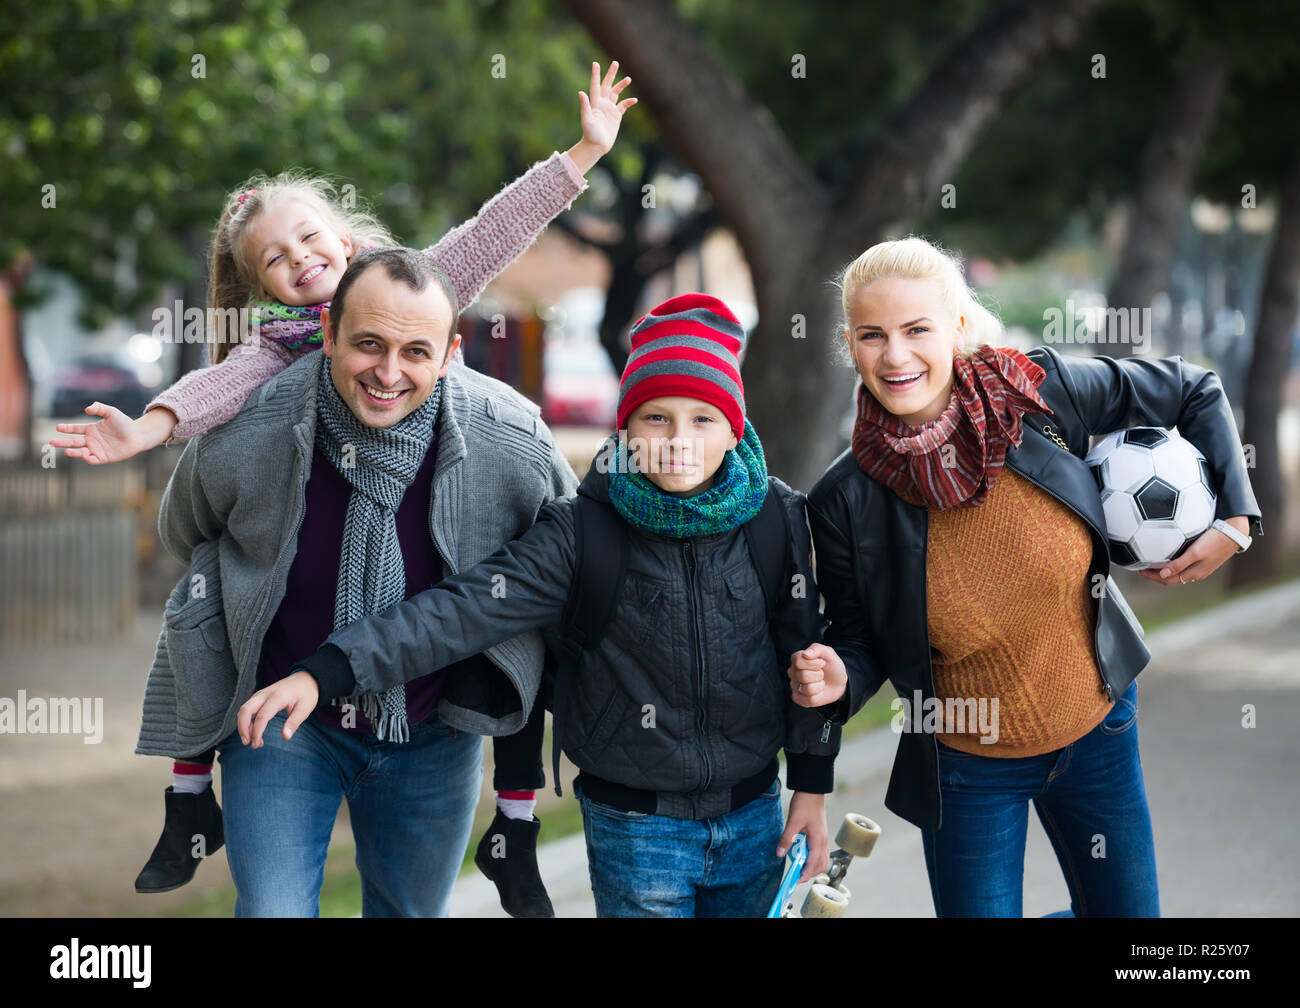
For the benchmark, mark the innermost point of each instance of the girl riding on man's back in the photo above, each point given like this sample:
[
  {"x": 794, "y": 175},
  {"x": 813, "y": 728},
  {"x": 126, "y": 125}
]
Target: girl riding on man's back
[{"x": 279, "y": 249}]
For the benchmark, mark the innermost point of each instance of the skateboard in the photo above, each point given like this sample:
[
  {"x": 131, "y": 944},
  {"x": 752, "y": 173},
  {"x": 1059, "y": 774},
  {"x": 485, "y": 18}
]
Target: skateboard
[{"x": 828, "y": 897}]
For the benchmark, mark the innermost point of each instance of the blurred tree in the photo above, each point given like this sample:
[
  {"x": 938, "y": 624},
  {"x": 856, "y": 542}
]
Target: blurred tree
[
  {"x": 126, "y": 123},
  {"x": 794, "y": 228}
]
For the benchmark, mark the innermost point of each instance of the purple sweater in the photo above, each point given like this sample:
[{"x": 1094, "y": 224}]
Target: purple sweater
[
  {"x": 471, "y": 254},
  {"x": 306, "y": 615}
]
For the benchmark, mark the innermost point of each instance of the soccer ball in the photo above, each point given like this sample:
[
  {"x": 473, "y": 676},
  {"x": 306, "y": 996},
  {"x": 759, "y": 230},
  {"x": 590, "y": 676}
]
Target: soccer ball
[{"x": 1156, "y": 494}]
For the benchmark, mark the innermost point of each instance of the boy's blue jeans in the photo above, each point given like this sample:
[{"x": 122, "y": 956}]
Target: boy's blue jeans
[
  {"x": 656, "y": 866},
  {"x": 1092, "y": 803},
  {"x": 411, "y": 805}
]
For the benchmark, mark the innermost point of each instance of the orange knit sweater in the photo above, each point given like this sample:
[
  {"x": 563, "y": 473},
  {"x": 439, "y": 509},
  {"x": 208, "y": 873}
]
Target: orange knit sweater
[{"x": 1011, "y": 618}]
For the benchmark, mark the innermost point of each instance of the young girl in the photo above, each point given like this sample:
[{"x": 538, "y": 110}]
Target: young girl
[
  {"x": 279, "y": 249},
  {"x": 961, "y": 549},
  {"x": 674, "y": 712}
]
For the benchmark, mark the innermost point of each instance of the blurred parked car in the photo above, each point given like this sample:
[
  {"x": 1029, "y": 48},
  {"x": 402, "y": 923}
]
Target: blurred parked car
[
  {"x": 580, "y": 387},
  {"x": 97, "y": 378}
]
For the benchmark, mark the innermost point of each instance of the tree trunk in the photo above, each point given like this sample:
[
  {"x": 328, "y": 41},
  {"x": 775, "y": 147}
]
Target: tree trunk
[
  {"x": 1269, "y": 364},
  {"x": 794, "y": 232},
  {"x": 1164, "y": 183}
]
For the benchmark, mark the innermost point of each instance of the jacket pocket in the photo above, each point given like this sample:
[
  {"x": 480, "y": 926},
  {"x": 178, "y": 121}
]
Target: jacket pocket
[
  {"x": 597, "y": 735},
  {"x": 640, "y": 618},
  {"x": 745, "y": 603},
  {"x": 198, "y": 647}
]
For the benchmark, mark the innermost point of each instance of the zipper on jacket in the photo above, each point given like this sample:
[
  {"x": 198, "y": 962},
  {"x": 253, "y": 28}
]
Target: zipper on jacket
[
  {"x": 700, "y": 719},
  {"x": 1096, "y": 623}
]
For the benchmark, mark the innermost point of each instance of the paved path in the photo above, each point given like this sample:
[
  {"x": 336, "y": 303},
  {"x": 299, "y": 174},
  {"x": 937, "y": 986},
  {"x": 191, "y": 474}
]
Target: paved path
[{"x": 1225, "y": 800}]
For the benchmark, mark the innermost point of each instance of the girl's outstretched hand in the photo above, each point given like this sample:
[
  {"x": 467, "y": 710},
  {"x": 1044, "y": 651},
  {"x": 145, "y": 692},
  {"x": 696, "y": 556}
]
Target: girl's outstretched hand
[
  {"x": 601, "y": 113},
  {"x": 116, "y": 437}
]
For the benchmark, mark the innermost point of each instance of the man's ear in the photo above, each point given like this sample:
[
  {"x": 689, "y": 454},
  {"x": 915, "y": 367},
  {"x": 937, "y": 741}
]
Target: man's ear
[
  {"x": 452, "y": 344},
  {"x": 327, "y": 332}
]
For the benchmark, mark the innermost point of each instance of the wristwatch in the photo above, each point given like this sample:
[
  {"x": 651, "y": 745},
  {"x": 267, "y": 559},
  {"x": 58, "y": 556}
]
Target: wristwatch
[{"x": 1242, "y": 541}]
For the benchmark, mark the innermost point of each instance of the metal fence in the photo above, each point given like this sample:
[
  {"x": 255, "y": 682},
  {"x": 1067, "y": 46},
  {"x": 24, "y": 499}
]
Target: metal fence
[{"x": 69, "y": 551}]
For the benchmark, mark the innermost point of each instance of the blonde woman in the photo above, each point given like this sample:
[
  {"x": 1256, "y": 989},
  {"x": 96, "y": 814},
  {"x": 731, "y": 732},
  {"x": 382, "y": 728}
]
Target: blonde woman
[{"x": 961, "y": 549}]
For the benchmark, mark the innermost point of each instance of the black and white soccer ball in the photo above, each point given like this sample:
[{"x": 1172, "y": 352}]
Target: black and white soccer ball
[{"x": 1156, "y": 494}]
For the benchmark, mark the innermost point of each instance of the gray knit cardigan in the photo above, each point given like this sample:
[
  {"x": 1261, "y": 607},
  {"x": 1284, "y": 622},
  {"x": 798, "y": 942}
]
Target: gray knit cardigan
[{"x": 232, "y": 511}]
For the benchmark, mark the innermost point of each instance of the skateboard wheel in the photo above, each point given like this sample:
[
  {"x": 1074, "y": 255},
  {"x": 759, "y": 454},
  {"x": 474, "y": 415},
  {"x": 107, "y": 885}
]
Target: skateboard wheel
[
  {"x": 823, "y": 901},
  {"x": 825, "y": 880},
  {"x": 857, "y": 835}
]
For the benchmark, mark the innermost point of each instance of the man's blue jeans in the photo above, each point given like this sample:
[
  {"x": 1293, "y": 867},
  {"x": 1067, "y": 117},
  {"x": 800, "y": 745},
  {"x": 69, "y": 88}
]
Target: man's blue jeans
[
  {"x": 1092, "y": 804},
  {"x": 411, "y": 805},
  {"x": 656, "y": 866}
]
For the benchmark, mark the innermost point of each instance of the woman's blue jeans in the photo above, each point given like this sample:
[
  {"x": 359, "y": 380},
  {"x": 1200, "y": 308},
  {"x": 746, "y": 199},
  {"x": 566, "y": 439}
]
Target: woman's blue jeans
[
  {"x": 411, "y": 805},
  {"x": 1092, "y": 804},
  {"x": 655, "y": 866}
]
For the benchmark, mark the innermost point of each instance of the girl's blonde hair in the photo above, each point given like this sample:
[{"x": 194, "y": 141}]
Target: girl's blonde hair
[
  {"x": 914, "y": 258},
  {"x": 232, "y": 273}
]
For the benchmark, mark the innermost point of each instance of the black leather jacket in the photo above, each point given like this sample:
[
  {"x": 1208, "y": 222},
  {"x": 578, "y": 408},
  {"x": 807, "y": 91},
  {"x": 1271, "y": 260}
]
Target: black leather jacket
[{"x": 870, "y": 545}]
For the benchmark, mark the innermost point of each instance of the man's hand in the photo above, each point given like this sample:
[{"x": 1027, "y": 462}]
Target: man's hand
[
  {"x": 296, "y": 694},
  {"x": 116, "y": 437},
  {"x": 601, "y": 115},
  {"x": 817, "y": 676},
  {"x": 808, "y": 816}
]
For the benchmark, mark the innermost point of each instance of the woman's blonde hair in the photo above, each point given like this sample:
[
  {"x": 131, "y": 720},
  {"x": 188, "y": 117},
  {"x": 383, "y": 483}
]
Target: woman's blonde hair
[
  {"x": 914, "y": 258},
  {"x": 232, "y": 273}
]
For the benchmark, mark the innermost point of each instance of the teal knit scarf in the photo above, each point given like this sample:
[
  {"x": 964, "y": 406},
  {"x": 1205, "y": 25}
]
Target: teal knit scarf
[{"x": 739, "y": 487}]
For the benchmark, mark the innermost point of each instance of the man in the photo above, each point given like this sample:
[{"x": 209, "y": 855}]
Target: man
[{"x": 352, "y": 480}]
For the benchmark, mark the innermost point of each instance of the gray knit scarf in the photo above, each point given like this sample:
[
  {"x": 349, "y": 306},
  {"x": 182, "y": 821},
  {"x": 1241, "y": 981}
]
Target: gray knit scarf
[{"x": 380, "y": 464}]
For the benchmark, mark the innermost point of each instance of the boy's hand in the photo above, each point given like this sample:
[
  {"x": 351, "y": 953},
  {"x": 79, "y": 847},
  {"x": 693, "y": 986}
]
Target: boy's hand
[
  {"x": 808, "y": 816},
  {"x": 817, "y": 676},
  {"x": 116, "y": 437},
  {"x": 296, "y": 694},
  {"x": 601, "y": 114}
]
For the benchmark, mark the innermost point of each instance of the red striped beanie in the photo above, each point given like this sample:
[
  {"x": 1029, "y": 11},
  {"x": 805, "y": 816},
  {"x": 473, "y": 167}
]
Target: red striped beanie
[{"x": 687, "y": 346}]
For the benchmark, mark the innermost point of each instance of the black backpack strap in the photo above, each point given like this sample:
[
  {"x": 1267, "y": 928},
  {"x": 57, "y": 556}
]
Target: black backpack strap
[
  {"x": 768, "y": 536},
  {"x": 598, "y": 571}
]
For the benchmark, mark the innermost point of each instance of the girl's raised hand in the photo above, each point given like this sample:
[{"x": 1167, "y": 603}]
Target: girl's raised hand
[
  {"x": 601, "y": 112},
  {"x": 116, "y": 437}
]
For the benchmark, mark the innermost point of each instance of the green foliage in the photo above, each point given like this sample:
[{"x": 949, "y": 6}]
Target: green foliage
[{"x": 142, "y": 116}]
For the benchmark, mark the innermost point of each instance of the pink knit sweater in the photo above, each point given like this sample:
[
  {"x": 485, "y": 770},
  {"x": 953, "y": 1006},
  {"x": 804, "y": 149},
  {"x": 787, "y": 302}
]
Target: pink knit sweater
[{"x": 470, "y": 254}]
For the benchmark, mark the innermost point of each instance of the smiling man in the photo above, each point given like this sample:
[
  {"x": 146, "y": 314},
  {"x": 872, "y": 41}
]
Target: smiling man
[{"x": 353, "y": 480}]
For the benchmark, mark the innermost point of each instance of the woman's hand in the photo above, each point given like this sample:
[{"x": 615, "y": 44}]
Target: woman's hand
[
  {"x": 116, "y": 437},
  {"x": 296, "y": 694},
  {"x": 817, "y": 676},
  {"x": 808, "y": 816},
  {"x": 1202, "y": 558},
  {"x": 601, "y": 114}
]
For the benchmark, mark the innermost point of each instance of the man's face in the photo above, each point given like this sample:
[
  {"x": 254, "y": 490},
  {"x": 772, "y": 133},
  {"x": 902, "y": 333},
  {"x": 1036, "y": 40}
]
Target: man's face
[{"x": 390, "y": 348}]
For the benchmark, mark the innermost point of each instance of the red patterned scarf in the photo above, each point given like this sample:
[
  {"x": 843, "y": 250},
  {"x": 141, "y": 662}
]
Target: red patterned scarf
[{"x": 990, "y": 391}]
